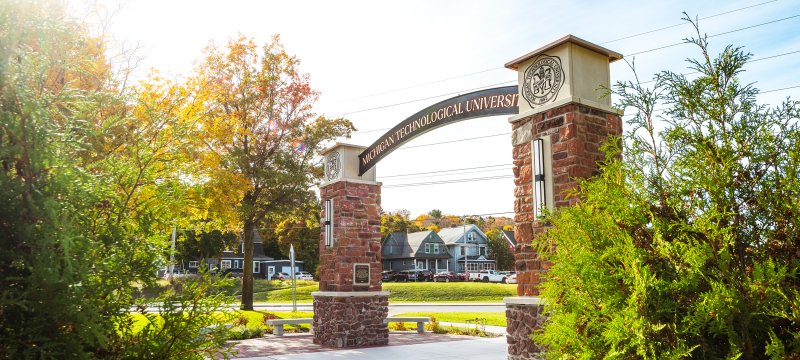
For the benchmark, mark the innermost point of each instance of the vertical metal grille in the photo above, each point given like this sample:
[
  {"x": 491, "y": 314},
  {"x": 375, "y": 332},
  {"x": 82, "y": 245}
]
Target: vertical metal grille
[
  {"x": 329, "y": 222},
  {"x": 539, "y": 202}
]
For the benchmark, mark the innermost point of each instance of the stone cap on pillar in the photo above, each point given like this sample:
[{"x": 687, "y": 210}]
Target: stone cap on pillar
[
  {"x": 341, "y": 163},
  {"x": 568, "y": 70}
]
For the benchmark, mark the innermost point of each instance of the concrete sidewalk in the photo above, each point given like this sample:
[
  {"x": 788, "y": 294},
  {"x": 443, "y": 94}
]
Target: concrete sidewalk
[{"x": 401, "y": 345}]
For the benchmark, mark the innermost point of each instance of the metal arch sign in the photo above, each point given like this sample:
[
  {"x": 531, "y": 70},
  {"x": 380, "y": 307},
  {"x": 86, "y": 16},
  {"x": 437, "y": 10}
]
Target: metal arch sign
[{"x": 489, "y": 102}]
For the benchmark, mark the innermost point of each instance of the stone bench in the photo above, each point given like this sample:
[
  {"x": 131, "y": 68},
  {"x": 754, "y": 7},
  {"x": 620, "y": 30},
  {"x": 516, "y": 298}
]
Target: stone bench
[
  {"x": 419, "y": 320},
  {"x": 278, "y": 324}
]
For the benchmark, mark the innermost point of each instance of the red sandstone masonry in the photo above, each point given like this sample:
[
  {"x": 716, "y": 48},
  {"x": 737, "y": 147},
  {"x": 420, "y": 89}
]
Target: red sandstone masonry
[
  {"x": 346, "y": 322},
  {"x": 576, "y": 134},
  {"x": 523, "y": 320},
  {"x": 357, "y": 233}
]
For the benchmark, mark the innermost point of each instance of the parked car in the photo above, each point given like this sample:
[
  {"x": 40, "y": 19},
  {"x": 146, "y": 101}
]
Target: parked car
[
  {"x": 488, "y": 276},
  {"x": 400, "y": 276},
  {"x": 512, "y": 279},
  {"x": 415, "y": 275},
  {"x": 280, "y": 276},
  {"x": 303, "y": 275},
  {"x": 388, "y": 275},
  {"x": 448, "y": 276},
  {"x": 424, "y": 275}
]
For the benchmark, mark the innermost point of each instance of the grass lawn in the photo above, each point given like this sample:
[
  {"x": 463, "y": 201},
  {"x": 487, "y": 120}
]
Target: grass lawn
[
  {"x": 247, "y": 318},
  {"x": 491, "y": 318},
  {"x": 411, "y": 292}
]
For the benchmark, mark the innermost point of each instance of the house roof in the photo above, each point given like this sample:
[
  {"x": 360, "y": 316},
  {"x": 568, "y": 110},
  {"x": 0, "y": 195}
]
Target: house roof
[
  {"x": 258, "y": 250},
  {"x": 410, "y": 244},
  {"x": 453, "y": 235},
  {"x": 509, "y": 235}
]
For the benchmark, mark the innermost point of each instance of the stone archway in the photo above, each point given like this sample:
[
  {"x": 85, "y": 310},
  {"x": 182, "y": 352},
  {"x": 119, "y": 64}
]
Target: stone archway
[{"x": 560, "y": 118}]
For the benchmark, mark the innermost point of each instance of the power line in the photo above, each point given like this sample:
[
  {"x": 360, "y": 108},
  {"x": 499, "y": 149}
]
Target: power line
[
  {"x": 443, "y": 182},
  {"x": 499, "y": 68},
  {"x": 759, "y": 93},
  {"x": 749, "y": 61},
  {"x": 684, "y": 23},
  {"x": 454, "y": 141},
  {"x": 774, "y": 90},
  {"x": 715, "y": 35},
  {"x": 449, "y": 170},
  {"x": 425, "y": 98},
  {"x": 427, "y": 83},
  {"x": 504, "y": 169},
  {"x": 644, "y": 82}
]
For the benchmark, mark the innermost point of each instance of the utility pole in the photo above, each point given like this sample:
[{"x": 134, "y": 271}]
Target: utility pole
[
  {"x": 172, "y": 253},
  {"x": 466, "y": 248}
]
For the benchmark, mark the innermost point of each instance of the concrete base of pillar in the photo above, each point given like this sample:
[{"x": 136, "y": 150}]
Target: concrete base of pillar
[
  {"x": 524, "y": 315},
  {"x": 350, "y": 319}
]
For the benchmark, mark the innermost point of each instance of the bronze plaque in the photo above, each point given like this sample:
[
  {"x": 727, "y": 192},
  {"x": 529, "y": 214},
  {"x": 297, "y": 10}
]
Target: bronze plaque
[{"x": 360, "y": 274}]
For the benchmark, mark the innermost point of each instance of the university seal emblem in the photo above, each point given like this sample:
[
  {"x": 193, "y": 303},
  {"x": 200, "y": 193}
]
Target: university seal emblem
[
  {"x": 543, "y": 79},
  {"x": 333, "y": 164}
]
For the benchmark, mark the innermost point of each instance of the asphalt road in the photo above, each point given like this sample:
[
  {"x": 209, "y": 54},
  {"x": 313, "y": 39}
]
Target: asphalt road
[
  {"x": 406, "y": 307},
  {"x": 393, "y": 308}
]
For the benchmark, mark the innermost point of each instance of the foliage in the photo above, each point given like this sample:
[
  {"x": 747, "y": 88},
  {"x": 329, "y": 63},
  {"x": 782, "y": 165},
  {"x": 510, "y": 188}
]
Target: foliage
[
  {"x": 491, "y": 318},
  {"x": 413, "y": 292},
  {"x": 499, "y": 250},
  {"x": 397, "y": 222},
  {"x": 196, "y": 245},
  {"x": 92, "y": 175},
  {"x": 260, "y": 134},
  {"x": 301, "y": 230},
  {"x": 185, "y": 326},
  {"x": 686, "y": 246}
]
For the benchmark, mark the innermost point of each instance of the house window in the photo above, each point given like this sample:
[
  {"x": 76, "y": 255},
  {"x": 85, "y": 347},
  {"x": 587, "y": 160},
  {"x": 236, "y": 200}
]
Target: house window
[
  {"x": 420, "y": 264},
  {"x": 194, "y": 264},
  {"x": 235, "y": 264},
  {"x": 256, "y": 267},
  {"x": 482, "y": 250},
  {"x": 463, "y": 250},
  {"x": 389, "y": 249},
  {"x": 427, "y": 248},
  {"x": 435, "y": 248},
  {"x": 404, "y": 262},
  {"x": 226, "y": 264},
  {"x": 471, "y": 236}
]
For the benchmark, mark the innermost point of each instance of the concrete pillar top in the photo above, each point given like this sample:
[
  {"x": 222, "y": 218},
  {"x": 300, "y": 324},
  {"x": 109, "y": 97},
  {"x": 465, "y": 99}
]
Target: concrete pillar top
[
  {"x": 568, "y": 70},
  {"x": 341, "y": 164}
]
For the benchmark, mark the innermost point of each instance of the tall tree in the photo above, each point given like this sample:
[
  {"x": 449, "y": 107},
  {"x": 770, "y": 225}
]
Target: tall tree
[
  {"x": 499, "y": 250},
  {"x": 89, "y": 184},
  {"x": 685, "y": 246},
  {"x": 397, "y": 221},
  {"x": 261, "y": 132}
]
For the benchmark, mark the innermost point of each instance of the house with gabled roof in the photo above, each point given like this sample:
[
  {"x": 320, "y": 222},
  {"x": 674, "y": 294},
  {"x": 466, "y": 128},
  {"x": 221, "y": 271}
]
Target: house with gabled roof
[
  {"x": 467, "y": 245},
  {"x": 509, "y": 236},
  {"x": 263, "y": 265},
  {"x": 423, "y": 250}
]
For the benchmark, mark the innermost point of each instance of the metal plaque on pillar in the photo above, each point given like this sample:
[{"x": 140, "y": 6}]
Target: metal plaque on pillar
[{"x": 361, "y": 274}]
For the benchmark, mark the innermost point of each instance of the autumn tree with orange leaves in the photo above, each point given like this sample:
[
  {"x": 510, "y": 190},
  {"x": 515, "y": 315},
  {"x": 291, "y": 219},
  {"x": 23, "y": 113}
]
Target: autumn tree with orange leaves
[{"x": 260, "y": 134}]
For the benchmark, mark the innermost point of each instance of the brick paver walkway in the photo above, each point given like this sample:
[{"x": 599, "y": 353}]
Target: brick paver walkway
[{"x": 299, "y": 343}]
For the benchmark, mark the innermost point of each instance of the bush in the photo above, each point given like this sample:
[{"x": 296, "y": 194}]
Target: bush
[{"x": 686, "y": 245}]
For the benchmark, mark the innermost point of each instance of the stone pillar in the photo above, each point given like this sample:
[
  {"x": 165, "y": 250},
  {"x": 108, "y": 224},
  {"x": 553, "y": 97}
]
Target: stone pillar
[
  {"x": 350, "y": 308},
  {"x": 561, "y": 103}
]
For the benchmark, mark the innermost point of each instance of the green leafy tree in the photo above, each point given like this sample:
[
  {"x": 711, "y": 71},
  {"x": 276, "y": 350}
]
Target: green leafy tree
[
  {"x": 397, "y": 222},
  {"x": 89, "y": 184},
  {"x": 686, "y": 245},
  {"x": 499, "y": 250}
]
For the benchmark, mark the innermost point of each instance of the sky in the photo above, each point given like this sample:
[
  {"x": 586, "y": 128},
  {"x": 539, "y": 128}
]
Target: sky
[{"x": 378, "y": 62}]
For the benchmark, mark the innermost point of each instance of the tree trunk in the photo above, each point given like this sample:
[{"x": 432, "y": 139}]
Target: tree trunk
[{"x": 247, "y": 276}]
